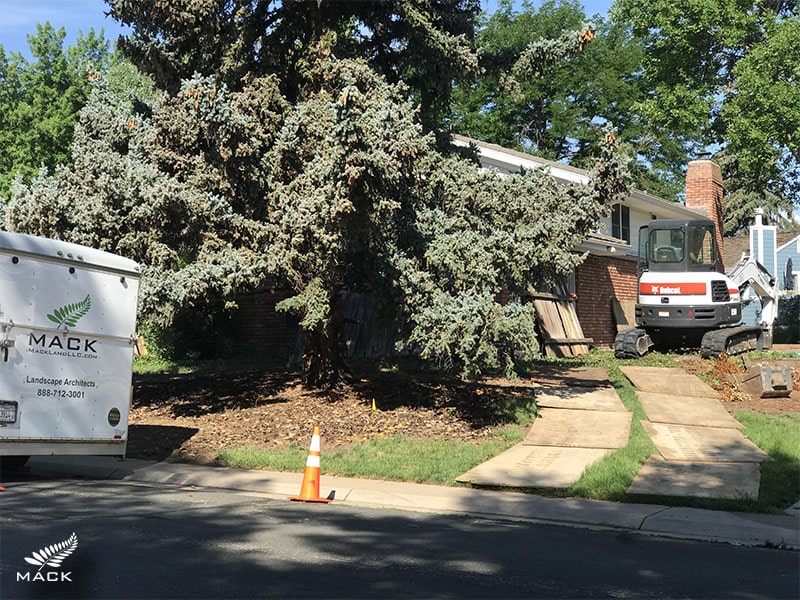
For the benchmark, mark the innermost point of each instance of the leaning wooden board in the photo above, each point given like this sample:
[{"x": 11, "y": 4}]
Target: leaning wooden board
[{"x": 558, "y": 322}]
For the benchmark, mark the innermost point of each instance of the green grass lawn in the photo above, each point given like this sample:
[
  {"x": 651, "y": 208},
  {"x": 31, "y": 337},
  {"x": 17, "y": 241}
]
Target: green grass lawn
[{"x": 398, "y": 458}]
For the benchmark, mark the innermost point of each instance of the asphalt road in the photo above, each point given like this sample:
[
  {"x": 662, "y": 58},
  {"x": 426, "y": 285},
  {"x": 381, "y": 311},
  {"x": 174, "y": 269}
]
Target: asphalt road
[{"x": 153, "y": 541}]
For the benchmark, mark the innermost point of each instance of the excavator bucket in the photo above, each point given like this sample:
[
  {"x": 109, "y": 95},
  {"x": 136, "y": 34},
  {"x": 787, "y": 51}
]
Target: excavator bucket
[{"x": 765, "y": 381}]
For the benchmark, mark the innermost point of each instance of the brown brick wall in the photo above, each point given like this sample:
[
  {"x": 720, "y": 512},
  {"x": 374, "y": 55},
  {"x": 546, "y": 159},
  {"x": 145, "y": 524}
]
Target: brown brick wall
[
  {"x": 258, "y": 326},
  {"x": 597, "y": 280}
]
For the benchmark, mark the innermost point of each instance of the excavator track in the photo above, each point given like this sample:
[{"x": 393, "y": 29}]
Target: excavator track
[
  {"x": 632, "y": 343},
  {"x": 731, "y": 341}
]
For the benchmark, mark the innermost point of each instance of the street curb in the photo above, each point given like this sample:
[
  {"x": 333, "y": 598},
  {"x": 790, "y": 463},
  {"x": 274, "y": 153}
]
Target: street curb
[{"x": 747, "y": 529}]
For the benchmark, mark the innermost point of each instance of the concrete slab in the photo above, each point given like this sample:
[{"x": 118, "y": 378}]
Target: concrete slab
[
  {"x": 686, "y": 410},
  {"x": 660, "y": 380},
  {"x": 702, "y": 444},
  {"x": 698, "y": 479},
  {"x": 580, "y": 376},
  {"x": 534, "y": 467},
  {"x": 579, "y": 398},
  {"x": 579, "y": 428}
]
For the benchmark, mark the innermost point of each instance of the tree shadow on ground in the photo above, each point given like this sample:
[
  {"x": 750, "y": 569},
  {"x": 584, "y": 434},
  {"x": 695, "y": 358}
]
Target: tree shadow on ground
[
  {"x": 481, "y": 404},
  {"x": 157, "y": 442},
  {"x": 192, "y": 394},
  {"x": 139, "y": 541}
]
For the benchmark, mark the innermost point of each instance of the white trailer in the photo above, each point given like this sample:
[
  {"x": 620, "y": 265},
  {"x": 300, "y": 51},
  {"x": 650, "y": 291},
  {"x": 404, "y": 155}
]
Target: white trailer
[{"x": 67, "y": 338}]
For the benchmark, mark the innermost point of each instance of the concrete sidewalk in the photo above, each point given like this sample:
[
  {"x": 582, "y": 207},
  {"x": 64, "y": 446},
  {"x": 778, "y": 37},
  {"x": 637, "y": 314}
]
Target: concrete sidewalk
[{"x": 781, "y": 531}]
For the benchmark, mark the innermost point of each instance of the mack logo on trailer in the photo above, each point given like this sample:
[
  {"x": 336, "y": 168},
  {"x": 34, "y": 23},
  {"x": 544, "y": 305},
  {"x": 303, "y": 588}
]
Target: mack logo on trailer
[
  {"x": 60, "y": 345},
  {"x": 69, "y": 315},
  {"x": 54, "y": 342}
]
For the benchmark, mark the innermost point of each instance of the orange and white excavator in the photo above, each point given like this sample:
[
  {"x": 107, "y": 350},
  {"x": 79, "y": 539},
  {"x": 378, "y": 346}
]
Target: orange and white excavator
[{"x": 685, "y": 302}]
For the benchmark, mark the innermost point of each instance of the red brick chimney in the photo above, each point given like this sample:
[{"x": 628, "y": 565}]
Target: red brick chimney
[{"x": 704, "y": 194}]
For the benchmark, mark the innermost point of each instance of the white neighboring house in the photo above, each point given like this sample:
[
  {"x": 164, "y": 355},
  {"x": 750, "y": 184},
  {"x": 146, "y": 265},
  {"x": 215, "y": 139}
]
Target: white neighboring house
[{"x": 609, "y": 270}]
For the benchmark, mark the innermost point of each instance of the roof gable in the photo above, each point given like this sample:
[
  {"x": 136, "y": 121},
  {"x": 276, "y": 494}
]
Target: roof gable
[{"x": 786, "y": 239}]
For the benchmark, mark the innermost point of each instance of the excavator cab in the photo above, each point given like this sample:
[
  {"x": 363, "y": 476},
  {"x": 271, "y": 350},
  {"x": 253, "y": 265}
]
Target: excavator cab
[{"x": 676, "y": 245}]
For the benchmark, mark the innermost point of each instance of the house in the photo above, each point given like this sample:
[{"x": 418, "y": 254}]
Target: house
[
  {"x": 778, "y": 251},
  {"x": 609, "y": 270},
  {"x": 788, "y": 264}
]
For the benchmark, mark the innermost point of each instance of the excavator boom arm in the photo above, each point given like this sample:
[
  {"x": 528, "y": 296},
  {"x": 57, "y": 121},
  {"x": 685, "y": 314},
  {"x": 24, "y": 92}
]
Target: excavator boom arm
[{"x": 749, "y": 273}]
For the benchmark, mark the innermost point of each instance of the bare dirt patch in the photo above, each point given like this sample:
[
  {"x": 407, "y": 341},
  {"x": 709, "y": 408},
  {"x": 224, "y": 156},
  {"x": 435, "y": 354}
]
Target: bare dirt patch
[{"x": 715, "y": 372}]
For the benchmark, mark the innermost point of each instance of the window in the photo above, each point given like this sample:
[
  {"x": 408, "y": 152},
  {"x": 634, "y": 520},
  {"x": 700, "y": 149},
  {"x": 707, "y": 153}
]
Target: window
[
  {"x": 621, "y": 222},
  {"x": 790, "y": 277},
  {"x": 666, "y": 245},
  {"x": 702, "y": 245}
]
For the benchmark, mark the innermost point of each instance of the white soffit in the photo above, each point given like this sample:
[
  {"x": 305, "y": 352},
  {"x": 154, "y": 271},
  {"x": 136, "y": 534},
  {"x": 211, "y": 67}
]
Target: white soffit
[
  {"x": 507, "y": 161},
  {"x": 510, "y": 160}
]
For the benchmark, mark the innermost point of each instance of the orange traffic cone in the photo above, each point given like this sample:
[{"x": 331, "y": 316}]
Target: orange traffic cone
[{"x": 309, "y": 491}]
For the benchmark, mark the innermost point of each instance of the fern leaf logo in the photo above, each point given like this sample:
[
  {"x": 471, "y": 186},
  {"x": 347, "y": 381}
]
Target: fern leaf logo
[
  {"x": 54, "y": 555},
  {"x": 69, "y": 315}
]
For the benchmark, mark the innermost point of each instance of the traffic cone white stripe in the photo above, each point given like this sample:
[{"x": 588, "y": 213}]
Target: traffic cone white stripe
[{"x": 309, "y": 490}]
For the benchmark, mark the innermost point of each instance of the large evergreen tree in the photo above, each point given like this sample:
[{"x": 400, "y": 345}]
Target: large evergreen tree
[
  {"x": 425, "y": 44},
  {"x": 331, "y": 183}
]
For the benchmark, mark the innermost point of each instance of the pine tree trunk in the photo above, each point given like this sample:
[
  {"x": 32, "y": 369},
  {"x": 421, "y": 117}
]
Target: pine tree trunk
[{"x": 325, "y": 353}]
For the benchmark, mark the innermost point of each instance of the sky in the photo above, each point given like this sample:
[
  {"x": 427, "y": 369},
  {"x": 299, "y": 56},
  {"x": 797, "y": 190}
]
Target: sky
[{"x": 18, "y": 18}]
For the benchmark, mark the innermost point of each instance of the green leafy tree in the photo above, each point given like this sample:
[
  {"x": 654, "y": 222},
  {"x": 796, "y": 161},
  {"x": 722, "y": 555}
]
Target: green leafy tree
[
  {"x": 724, "y": 73},
  {"x": 549, "y": 76},
  {"x": 522, "y": 98},
  {"x": 40, "y": 100},
  {"x": 763, "y": 116}
]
